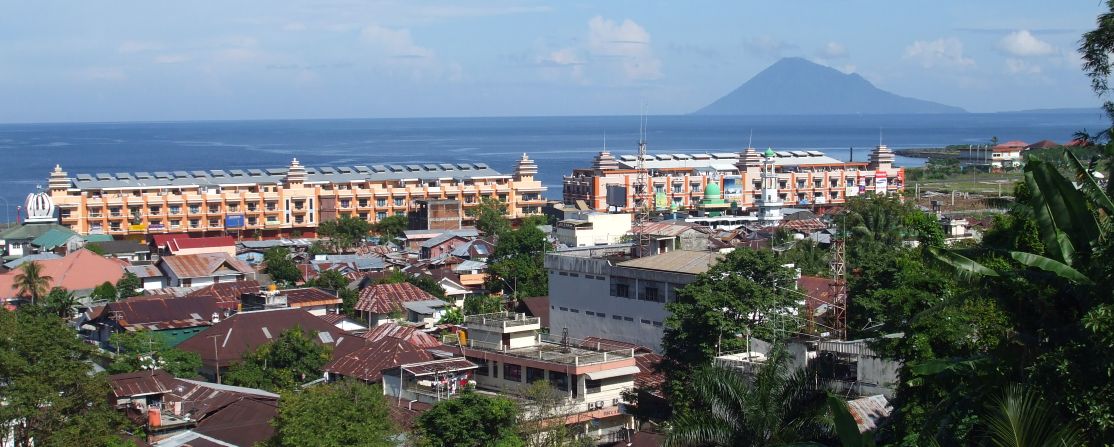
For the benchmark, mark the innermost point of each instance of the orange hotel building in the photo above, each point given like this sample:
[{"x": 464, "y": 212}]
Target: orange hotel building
[
  {"x": 278, "y": 202},
  {"x": 805, "y": 179}
]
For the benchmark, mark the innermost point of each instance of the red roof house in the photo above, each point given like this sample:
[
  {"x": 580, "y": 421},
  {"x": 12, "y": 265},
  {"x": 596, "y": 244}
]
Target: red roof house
[
  {"x": 377, "y": 302},
  {"x": 78, "y": 271}
]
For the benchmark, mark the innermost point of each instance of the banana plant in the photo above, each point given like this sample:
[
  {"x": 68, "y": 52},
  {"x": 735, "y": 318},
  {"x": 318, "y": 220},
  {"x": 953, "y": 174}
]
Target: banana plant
[{"x": 1071, "y": 219}]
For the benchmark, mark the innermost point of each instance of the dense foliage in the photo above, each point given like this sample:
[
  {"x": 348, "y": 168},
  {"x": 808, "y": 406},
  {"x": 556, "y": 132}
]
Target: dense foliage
[
  {"x": 51, "y": 396},
  {"x": 60, "y": 302},
  {"x": 280, "y": 266},
  {"x": 104, "y": 292},
  {"x": 129, "y": 285},
  {"x": 345, "y": 232},
  {"x": 291, "y": 360},
  {"x": 346, "y": 413},
  {"x": 31, "y": 282},
  {"x": 482, "y": 304},
  {"x": 469, "y": 420},
  {"x": 744, "y": 294},
  {"x": 424, "y": 282},
  {"x": 141, "y": 350},
  {"x": 518, "y": 265},
  {"x": 390, "y": 228},
  {"x": 490, "y": 215}
]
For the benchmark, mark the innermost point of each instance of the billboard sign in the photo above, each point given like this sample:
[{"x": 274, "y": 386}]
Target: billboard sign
[
  {"x": 732, "y": 186},
  {"x": 234, "y": 221},
  {"x": 880, "y": 182},
  {"x": 617, "y": 196}
]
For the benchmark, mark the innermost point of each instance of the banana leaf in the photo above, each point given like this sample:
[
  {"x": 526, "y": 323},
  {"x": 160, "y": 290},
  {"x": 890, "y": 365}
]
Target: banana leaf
[
  {"x": 1089, "y": 186},
  {"x": 1052, "y": 266},
  {"x": 966, "y": 266}
]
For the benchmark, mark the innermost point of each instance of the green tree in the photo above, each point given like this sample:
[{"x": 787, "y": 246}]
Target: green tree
[
  {"x": 345, "y": 232},
  {"x": 775, "y": 405},
  {"x": 357, "y": 416},
  {"x": 808, "y": 256},
  {"x": 51, "y": 395},
  {"x": 60, "y": 302},
  {"x": 517, "y": 267},
  {"x": 291, "y": 360},
  {"x": 483, "y": 304},
  {"x": 348, "y": 299},
  {"x": 129, "y": 285},
  {"x": 95, "y": 248},
  {"x": 31, "y": 281},
  {"x": 1096, "y": 47},
  {"x": 104, "y": 292},
  {"x": 491, "y": 216},
  {"x": 424, "y": 282},
  {"x": 280, "y": 266},
  {"x": 469, "y": 420},
  {"x": 746, "y": 293},
  {"x": 543, "y": 404},
  {"x": 140, "y": 350},
  {"x": 390, "y": 228},
  {"x": 451, "y": 316},
  {"x": 329, "y": 279}
]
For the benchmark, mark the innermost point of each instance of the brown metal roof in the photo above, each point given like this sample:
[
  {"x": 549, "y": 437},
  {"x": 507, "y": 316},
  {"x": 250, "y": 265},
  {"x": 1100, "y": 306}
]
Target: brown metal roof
[
  {"x": 649, "y": 378},
  {"x": 387, "y": 298},
  {"x": 368, "y": 362},
  {"x": 536, "y": 306},
  {"x": 204, "y": 264},
  {"x": 677, "y": 261},
  {"x": 164, "y": 313},
  {"x": 228, "y": 293},
  {"x": 247, "y": 331},
  {"x": 310, "y": 296},
  {"x": 439, "y": 366},
  {"x": 406, "y": 333}
]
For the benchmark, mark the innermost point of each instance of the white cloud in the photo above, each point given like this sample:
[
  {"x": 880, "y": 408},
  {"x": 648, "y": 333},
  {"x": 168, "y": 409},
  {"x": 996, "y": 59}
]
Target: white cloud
[
  {"x": 833, "y": 50},
  {"x": 1018, "y": 66},
  {"x": 1024, "y": 44},
  {"x": 101, "y": 74},
  {"x": 171, "y": 58},
  {"x": 565, "y": 59},
  {"x": 767, "y": 46},
  {"x": 628, "y": 43},
  {"x": 939, "y": 53},
  {"x": 395, "y": 43},
  {"x": 136, "y": 46}
]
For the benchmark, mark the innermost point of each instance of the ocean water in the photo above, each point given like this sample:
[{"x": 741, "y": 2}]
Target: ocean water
[{"x": 558, "y": 144}]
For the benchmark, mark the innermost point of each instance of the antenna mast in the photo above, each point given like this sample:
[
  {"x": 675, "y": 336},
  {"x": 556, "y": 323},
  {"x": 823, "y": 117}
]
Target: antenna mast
[
  {"x": 837, "y": 289},
  {"x": 641, "y": 189}
]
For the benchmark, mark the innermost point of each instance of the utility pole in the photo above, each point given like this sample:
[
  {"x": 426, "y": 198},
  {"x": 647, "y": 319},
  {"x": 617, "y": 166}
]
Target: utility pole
[{"x": 216, "y": 356}]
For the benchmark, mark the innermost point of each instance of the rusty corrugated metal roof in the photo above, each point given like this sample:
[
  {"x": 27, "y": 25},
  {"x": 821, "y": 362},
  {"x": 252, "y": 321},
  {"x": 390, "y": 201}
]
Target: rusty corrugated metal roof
[
  {"x": 387, "y": 298},
  {"x": 204, "y": 264}
]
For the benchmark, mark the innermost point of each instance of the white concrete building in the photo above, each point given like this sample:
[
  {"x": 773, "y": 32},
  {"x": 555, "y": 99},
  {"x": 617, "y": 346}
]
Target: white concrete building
[
  {"x": 587, "y": 228},
  {"x": 601, "y": 292}
]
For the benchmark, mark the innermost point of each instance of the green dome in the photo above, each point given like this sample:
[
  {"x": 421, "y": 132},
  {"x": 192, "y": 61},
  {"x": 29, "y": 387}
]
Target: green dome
[
  {"x": 769, "y": 153},
  {"x": 712, "y": 192}
]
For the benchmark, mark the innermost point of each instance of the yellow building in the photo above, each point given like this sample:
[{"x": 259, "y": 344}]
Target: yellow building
[
  {"x": 278, "y": 202},
  {"x": 677, "y": 181}
]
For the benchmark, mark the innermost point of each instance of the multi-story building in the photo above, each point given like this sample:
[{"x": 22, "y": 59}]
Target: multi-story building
[
  {"x": 583, "y": 228},
  {"x": 511, "y": 353},
  {"x": 676, "y": 181},
  {"x": 278, "y": 202},
  {"x": 602, "y": 292}
]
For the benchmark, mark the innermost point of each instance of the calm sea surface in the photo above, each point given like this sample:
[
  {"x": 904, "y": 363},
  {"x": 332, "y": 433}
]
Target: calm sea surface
[{"x": 29, "y": 151}]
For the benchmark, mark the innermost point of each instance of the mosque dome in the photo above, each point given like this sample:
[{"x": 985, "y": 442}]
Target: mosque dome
[
  {"x": 712, "y": 192},
  {"x": 770, "y": 153}
]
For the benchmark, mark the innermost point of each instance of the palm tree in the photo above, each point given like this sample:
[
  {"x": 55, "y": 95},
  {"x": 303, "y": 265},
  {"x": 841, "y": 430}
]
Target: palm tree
[
  {"x": 1021, "y": 418},
  {"x": 60, "y": 302},
  {"x": 31, "y": 281},
  {"x": 771, "y": 406}
]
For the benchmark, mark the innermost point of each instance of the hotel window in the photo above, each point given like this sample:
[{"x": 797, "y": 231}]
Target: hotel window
[
  {"x": 400, "y": 213},
  {"x": 380, "y": 215},
  {"x": 469, "y": 198},
  {"x": 175, "y": 223},
  {"x": 816, "y": 183},
  {"x": 592, "y": 386},
  {"x": 512, "y": 372},
  {"x": 252, "y": 207},
  {"x": 156, "y": 223},
  {"x": 298, "y": 219},
  {"x": 620, "y": 290},
  {"x": 559, "y": 380},
  {"x": 835, "y": 183},
  {"x": 695, "y": 186},
  {"x": 781, "y": 184},
  {"x": 363, "y": 216},
  {"x": 678, "y": 188},
  {"x": 398, "y": 201},
  {"x": 194, "y": 223},
  {"x": 271, "y": 206},
  {"x": 214, "y": 222},
  {"x": 114, "y": 226},
  {"x": 214, "y": 208},
  {"x": 835, "y": 194},
  {"x": 850, "y": 181},
  {"x": 234, "y": 208},
  {"x": 659, "y": 188},
  {"x": 534, "y": 374},
  {"x": 652, "y": 294},
  {"x": 617, "y": 317},
  {"x": 94, "y": 212},
  {"x": 195, "y": 209},
  {"x": 483, "y": 368},
  {"x": 114, "y": 212},
  {"x": 345, "y": 203},
  {"x": 362, "y": 203},
  {"x": 800, "y": 183},
  {"x": 783, "y": 196},
  {"x": 628, "y": 319},
  {"x": 155, "y": 210},
  {"x": 380, "y": 202},
  {"x": 503, "y": 197},
  {"x": 272, "y": 219},
  {"x": 800, "y": 196}
]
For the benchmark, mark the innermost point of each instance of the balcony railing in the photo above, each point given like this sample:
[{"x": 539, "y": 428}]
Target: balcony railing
[{"x": 501, "y": 320}]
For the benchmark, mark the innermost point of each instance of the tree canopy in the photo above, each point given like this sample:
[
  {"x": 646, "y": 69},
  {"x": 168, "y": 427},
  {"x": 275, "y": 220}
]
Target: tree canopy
[
  {"x": 291, "y": 360},
  {"x": 482, "y": 304},
  {"x": 344, "y": 232},
  {"x": 391, "y": 227},
  {"x": 490, "y": 215},
  {"x": 51, "y": 395},
  {"x": 517, "y": 266},
  {"x": 469, "y": 420},
  {"x": 104, "y": 292},
  {"x": 280, "y": 266},
  {"x": 345, "y": 413},
  {"x": 141, "y": 350},
  {"x": 129, "y": 285},
  {"x": 31, "y": 282}
]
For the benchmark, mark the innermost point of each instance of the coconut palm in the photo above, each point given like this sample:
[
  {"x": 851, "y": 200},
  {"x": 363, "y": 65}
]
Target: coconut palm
[
  {"x": 1019, "y": 417},
  {"x": 31, "y": 281},
  {"x": 60, "y": 302},
  {"x": 774, "y": 405}
]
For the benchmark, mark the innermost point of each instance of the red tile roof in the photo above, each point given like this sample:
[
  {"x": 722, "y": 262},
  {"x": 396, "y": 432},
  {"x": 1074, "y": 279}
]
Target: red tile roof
[
  {"x": 1044, "y": 144},
  {"x": 648, "y": 377},
  {"x": 204, "y": 264},
  {"x": 387, "y": 298},
  {"x": 309, "y": 296},
  {"x": 80, "y": 270},
  {"x": 368, "y": 362},
  {"x": 247, "y": 331},
  {"x": 409, "y": 334},
  {"x": 160, "y": 240},
  {"x": 178, "y": 244}
]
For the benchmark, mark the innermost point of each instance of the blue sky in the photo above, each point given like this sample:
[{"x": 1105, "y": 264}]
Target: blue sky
[{"x": 147, "y": 60}]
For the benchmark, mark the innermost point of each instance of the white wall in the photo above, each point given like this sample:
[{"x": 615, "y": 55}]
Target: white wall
[{"x": 594, "y": 295}]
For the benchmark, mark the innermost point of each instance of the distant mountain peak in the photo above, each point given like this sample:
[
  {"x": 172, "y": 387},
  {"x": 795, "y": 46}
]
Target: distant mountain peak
[{"x": 797, "y": 86}]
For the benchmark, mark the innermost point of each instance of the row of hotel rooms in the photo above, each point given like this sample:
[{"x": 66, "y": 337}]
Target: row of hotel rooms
[{"x": 285, "y": 202}]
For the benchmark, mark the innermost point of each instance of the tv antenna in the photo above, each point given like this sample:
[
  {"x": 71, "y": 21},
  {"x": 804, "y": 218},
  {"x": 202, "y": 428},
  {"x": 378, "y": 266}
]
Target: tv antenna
[{"x": 641, "y": 188}]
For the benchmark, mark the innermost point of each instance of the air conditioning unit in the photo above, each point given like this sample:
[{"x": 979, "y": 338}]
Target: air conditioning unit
[
  {"x": 599, "y": 404},
  {"x": 591, "y": 405},
  {"x": 615, "y": 401}
]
